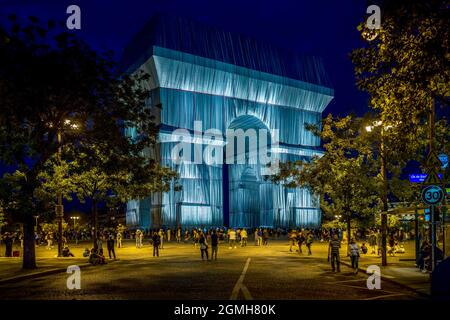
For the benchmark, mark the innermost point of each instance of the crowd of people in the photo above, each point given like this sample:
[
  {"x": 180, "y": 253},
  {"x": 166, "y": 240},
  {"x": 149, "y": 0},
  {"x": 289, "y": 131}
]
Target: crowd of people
[{"x": 299, "y": 240}]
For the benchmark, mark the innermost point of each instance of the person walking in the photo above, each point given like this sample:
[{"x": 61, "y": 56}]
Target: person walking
[
  {"x": 203, "y": 245},
  {"x": 178, "y": 235},
  {"x": 309, "y": 241},
  {"x": 232, "y": 238},
  {"x": 155, "y": 242},
  {"x": 214, "y": 245},
  {"x": 354, "y": 255},
  {"x": 110, "y": 247},
  {"x": 333, "y": 252},
  {"x": 244, "y": 236},
  {"x": 161, "y": 238},
  {"x": 169, "y": 234}
]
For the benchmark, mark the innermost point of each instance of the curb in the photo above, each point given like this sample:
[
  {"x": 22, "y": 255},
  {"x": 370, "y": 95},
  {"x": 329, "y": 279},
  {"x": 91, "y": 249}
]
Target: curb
[
  {"x": 38, "y": 274},
  {"x": 392, "y": 281}
]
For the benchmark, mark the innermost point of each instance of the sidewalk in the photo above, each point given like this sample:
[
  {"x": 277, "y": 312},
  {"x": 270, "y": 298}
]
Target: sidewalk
[{"x": 400, "y": 269}]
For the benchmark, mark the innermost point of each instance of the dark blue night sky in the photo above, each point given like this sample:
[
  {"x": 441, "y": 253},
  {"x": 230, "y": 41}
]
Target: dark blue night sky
[{"x": 325, "y": 28}]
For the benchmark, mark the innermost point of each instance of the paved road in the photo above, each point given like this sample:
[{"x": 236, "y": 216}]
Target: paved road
[{"x": 243, "y": 273}]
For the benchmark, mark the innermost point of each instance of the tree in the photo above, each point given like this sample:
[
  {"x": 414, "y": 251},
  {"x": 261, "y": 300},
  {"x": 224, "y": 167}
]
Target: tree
[
  {"x": 406, "y": 68},
  {"x": 51, "y": 79},
  {"x": 2, "y": 215},
  {"x": 344, "y": 176},
  {"x": 93, "y": 176}
]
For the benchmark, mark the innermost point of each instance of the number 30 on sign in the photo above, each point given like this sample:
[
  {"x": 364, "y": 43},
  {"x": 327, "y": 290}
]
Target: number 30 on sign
[{"x": 432, "y": 195}]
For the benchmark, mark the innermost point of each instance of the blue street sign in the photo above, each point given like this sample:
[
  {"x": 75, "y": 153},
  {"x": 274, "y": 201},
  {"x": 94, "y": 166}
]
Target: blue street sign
[
  {"x": 444, "y": 160},
  {"x": 420, "y": 177},
  {"x": 432, "y": 195}
]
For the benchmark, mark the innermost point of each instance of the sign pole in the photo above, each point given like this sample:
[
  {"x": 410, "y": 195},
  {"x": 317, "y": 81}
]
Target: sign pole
[{"x": 433, "y": 238}]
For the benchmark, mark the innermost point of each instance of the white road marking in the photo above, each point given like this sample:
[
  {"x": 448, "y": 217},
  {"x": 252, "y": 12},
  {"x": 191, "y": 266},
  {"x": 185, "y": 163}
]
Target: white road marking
[{"x": 239, "y": 286}]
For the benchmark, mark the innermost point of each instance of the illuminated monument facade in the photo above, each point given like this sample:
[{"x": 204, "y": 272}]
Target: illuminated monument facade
[{"x": 226, "y": 81}]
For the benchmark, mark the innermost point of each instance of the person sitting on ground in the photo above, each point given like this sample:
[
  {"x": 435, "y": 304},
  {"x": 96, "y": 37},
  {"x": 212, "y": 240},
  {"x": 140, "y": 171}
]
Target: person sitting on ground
[
  {"x": 86, "y": 252},
  {"x": 101, "y": 257},
  {"x": 66, "y": 252},
  {"x": 97, "y": 257},
  {"x": 425, "y": 252},
  {"x": 364, "y": 248}
]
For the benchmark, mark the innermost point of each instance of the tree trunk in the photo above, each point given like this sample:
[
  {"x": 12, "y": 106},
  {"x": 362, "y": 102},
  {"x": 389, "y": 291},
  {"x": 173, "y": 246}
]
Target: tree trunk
[
  {"x": 95, "y": 222},
  {"x": 29, "y": 244},
  {"x": 349, "y": 234}
]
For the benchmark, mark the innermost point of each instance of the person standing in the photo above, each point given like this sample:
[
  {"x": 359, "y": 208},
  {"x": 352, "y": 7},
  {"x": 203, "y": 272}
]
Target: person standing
[
  {"x": 354, "y": 255},
  {"x": 119, "y": 239},
  {"x": 309, "y": 241},
  {"x": 214, "y": 245},
  {"x": 137, "y": 238},
  {"x": 110, "y": 247},
  {"x": 203, "y": 245},
  {"x": 195, "y": 238},
  {"x": 99, "y": 242},
  {"x": 232, "y": 239},
  {"x": 333, "y": 252},
  {"x": 169, "y": 234},
  {"x": 178, "y": 235},
  {"x": 300, "y": 240},
  {"x": 155, "y": 241},
  {"x": 141, "y": 239},
  {"x": 244, "y": 237},
  {"x": 265, "y": 237},
  {"x": 8, "y": 240},
  {"x": 49, "y": 238},
  {"x": 292, "y": 239},
  {"x": 256, "y": 237}
]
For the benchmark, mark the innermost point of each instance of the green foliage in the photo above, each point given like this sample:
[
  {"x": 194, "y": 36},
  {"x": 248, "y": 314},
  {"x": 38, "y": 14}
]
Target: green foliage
[
  {"x": 406, "y": 68},
  {"x": 56, "y": 94},
  {"x": 2, "y": 215},
  {"x": 343, "y": 176},
  {"x": 393, "y": 221}
]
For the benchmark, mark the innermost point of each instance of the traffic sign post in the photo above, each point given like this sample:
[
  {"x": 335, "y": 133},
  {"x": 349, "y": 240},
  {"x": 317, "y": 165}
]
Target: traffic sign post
[{"x": 432, "y": 195}]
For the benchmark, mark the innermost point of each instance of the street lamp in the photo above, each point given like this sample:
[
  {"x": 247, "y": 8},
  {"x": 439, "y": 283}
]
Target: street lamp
[
  {"x": 74, "y": 219},
  {"x": 59, "y": 207},
  {"x": 36, "y": 217},
  {"x": 384, "y": 197}
]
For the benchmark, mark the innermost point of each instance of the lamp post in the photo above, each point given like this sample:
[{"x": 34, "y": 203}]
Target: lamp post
[
  {"x": 384, "y": 193},
  {"x": 59, "y": 205},
  {"x": 74, "y": 219},
  {"x": 36, "y": 217}
]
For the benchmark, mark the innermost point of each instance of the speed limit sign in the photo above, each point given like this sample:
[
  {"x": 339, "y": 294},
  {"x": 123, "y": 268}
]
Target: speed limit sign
[{"x": 432, "y": 195}]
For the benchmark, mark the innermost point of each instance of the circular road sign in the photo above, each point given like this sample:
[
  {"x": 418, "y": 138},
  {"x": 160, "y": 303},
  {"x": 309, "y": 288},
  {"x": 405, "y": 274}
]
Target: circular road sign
[{"x": 432, "y": 195}]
